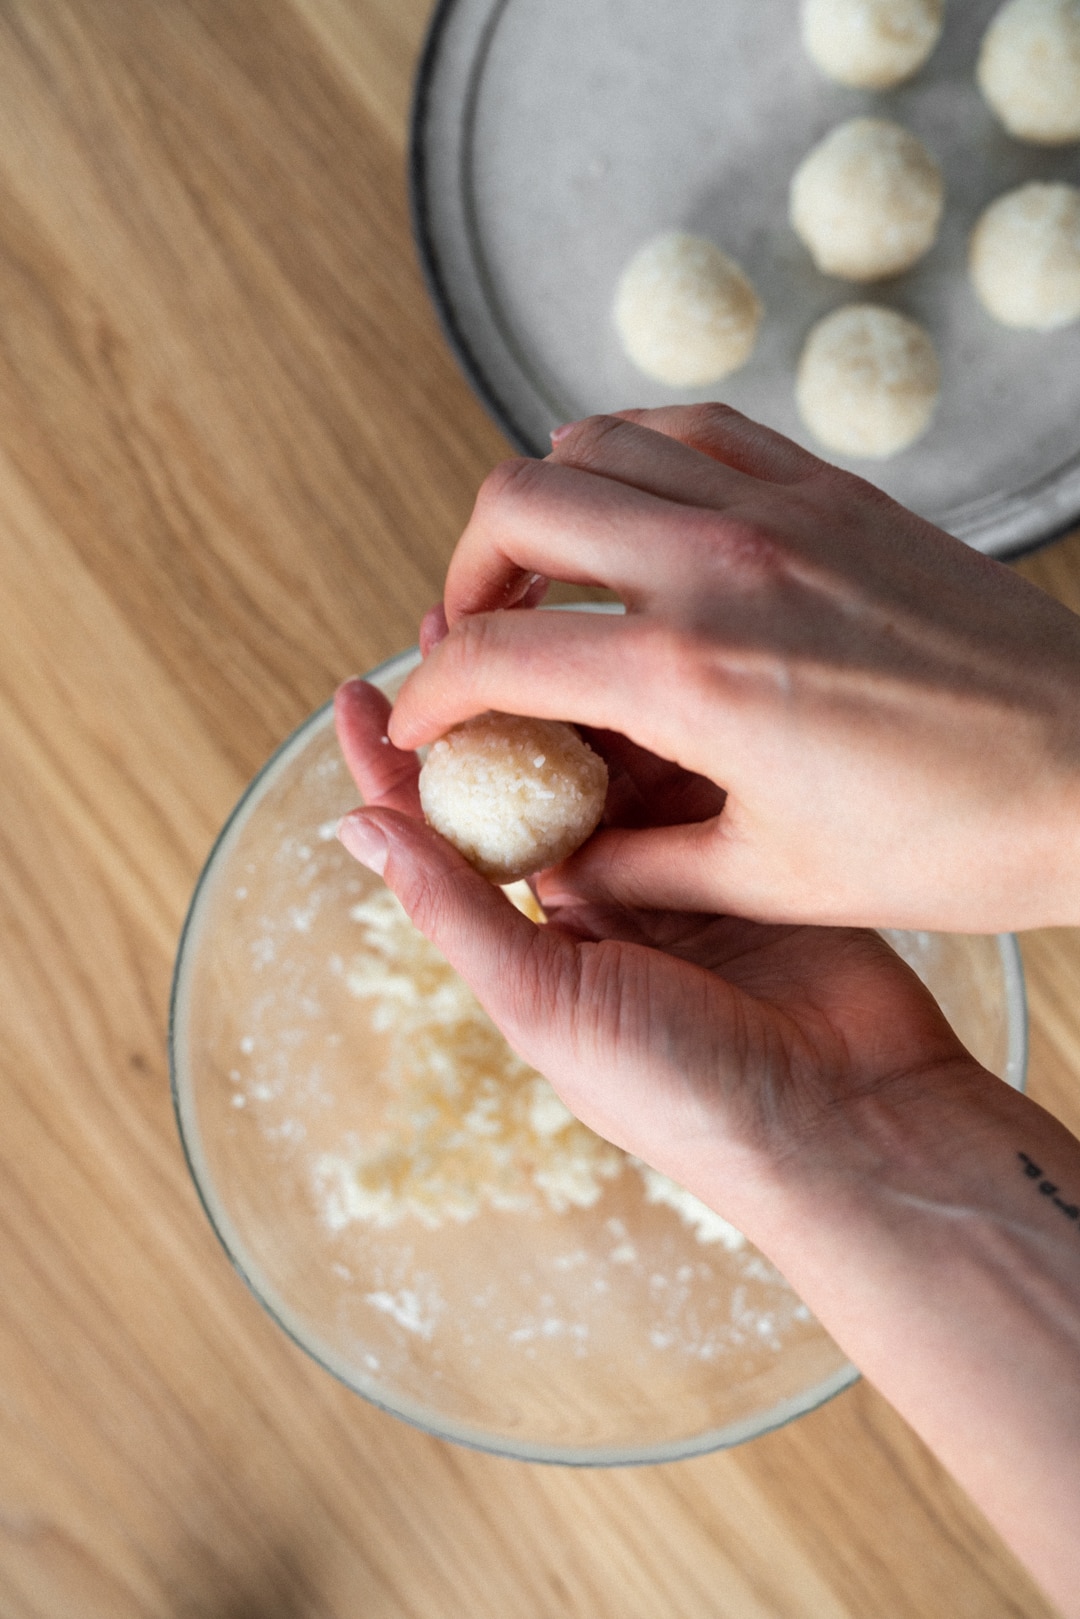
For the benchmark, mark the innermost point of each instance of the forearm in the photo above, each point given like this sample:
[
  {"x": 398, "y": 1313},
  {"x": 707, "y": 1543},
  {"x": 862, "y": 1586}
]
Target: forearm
[{"x": 941, "y": 1249}]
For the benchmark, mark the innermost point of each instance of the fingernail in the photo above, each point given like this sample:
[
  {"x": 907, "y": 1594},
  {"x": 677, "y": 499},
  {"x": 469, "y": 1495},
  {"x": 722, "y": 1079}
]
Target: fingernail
[
  {"x": 559, "y": 433},
  {"x": 433, "y": 628},
  {"x": 518, "y": 589},
  {"x": 365, "y": 841}
]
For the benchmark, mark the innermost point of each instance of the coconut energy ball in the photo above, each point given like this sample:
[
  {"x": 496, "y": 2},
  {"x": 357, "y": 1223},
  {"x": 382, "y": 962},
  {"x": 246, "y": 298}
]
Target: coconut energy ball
[
  {"x": 867, "y": 200},
  {"x": 514, "y": 795},
  {"x": 870, "y": 44},
  {"x": 1025, "y": 257},
  {"x": 1029, "y": 69},
  {"x": 686, "y": 313},
  {"x": 867, "y": 381}
]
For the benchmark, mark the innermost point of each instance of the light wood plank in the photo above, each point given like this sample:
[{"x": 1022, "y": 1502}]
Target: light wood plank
[{"x": 234, "y": 458}]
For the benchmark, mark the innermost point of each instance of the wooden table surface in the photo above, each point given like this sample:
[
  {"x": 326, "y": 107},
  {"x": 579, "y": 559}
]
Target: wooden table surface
[{"x": 234, "y": 458}]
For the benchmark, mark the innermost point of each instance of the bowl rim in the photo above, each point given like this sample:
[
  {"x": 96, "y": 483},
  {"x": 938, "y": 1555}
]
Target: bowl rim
[{"x": 471, "y": 1436}]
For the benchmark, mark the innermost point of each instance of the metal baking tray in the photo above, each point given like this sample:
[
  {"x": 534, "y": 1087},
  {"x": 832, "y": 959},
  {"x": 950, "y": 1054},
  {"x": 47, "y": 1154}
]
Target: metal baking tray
[{"x": 550, "y": 138}]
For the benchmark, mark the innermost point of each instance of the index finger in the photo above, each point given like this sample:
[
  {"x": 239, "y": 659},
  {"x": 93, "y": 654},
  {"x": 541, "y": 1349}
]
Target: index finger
[{"x": 602, "y": 670}]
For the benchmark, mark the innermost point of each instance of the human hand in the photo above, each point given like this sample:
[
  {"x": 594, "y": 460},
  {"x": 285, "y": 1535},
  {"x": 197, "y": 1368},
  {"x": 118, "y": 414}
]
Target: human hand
[
  {"x": 894, "y": 718},
  {"x": 717, "y": 1049}
]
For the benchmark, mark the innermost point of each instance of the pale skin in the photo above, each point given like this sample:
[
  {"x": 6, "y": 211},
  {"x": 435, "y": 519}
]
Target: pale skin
[
  {"x": 781, "y": 648},
  {"x": 889, "y": 713}
]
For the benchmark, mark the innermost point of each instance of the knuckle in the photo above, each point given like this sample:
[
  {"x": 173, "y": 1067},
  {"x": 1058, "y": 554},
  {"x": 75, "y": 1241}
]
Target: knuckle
[
  {"x": 733, "y": 549},
  {"x": 473, "y": 637},
  {"x": 747, "y": 552},
  {"x": 805, "y": 465},
  {"x": 742, "y": 442},
  {"x": 506, "y": 482},
  {"x": 465, "y": 652},
  {"x": 544, "y": 993},
  {"x": 692, "y": 659},
  {"x": 587, "y": 444},
  {"x": 713, "y": 416},
  {"x": 614, "y": 1015},
  {"x": 688, "y": 421},
  {"x": 669, "y": 653},
  {"x": 426, "y": 895}
]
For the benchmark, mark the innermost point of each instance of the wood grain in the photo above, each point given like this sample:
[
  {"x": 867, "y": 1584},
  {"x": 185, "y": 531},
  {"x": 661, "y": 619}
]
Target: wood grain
[{"x": 234, "y": 457}]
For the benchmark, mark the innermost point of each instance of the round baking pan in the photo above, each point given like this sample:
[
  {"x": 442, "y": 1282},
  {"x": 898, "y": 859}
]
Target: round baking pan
[{"x": 550, "y": 138}]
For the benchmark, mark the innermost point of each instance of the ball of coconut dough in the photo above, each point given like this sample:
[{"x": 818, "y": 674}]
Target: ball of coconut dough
[
  {"x": 867, "y": 381},
  {"x": 867, "y": 200},
  {"x": 1029, "y": 69},
  {"x": 1025, "y": 257},
  {"x": 686, "y": 313},
  {"x": 870, "y": 43},
  {"x": 513, "y": 795}
]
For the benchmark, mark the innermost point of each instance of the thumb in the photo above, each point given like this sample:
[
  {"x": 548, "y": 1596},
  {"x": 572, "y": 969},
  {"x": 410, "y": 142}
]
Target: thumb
[
  {"x": 525, "y": 976},
  {"x": 655, "y": 868}
]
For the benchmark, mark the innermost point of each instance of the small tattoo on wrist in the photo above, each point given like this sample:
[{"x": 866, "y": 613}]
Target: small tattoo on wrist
[{"x": 1047, "y": 1187}]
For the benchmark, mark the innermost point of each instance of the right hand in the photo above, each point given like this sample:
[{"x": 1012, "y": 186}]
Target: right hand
[{"x": 894, "y": 718}]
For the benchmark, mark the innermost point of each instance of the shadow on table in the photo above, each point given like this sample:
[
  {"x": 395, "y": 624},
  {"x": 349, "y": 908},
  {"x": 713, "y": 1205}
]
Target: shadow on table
[{"x": 282, "y": 1588}]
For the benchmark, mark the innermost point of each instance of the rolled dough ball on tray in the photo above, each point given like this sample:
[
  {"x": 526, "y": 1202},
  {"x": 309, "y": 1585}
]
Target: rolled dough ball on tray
[
  {"x": 867, "y": 381},
  {"x": 870, "y": 44},
  {"x": 1025, "y": 256},
  {"x": 514, "y": 795},
  {"x": 685, "y": 312},
  {"x": 1029, "y": 69},
  {"x": 867, "y": 200}
]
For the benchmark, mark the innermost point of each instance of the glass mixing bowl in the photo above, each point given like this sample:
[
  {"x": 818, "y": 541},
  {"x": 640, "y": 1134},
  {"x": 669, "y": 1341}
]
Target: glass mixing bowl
[{"x": 606, "y": 1334}]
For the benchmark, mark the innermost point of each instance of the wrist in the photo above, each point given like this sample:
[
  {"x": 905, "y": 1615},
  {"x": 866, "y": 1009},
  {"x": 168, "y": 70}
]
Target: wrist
[
  {"x": 918, "y": 1201},
  {"x": 940, "y": 1246},
  {"x": 925, "y": 1141}
]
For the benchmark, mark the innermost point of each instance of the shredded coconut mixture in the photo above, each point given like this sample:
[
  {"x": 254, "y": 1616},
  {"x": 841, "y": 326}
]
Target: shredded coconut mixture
[{"x": 468, "y": 1125}]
